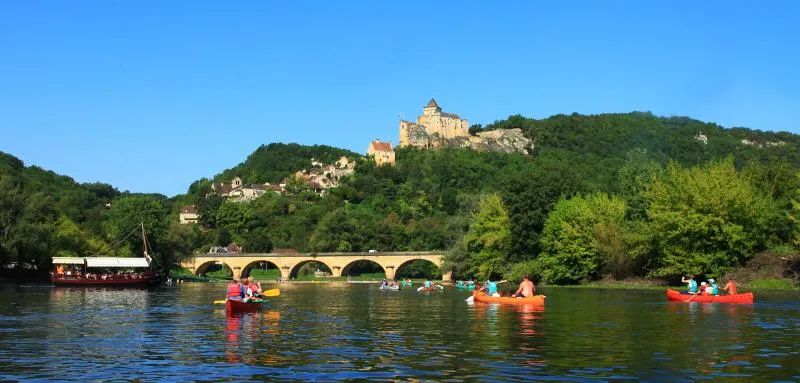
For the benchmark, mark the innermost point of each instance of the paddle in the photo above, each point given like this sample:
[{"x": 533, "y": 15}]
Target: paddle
[{"x": 268, "y": 293}]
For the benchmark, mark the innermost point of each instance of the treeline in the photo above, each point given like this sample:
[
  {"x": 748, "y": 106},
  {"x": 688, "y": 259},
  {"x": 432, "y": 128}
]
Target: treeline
[{"x": 614, "y": 195}]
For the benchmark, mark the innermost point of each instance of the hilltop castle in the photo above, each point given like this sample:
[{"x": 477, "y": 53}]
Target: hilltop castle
[
  {"x": 432, "y": 126},
  {"x": 435, "y": 128}
]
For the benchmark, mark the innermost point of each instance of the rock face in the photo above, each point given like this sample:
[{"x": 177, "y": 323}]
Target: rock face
[{"x": 504, "y": 140}]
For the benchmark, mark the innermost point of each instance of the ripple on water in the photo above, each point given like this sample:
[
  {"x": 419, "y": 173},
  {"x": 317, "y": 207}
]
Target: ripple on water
[{"x": 347, "y": 333}]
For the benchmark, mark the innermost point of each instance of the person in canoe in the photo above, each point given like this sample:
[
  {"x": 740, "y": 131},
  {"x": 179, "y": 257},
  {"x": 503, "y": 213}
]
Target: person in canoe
[
  {"x": 253, "y": 287},
  {"x": 691, "y": 284},
  {"x": 428, "y": 284},
  {"x": 730, "y": 287},
  {"x": 236, "y": 291},
  {"x": 713, "y": 287},
  {"x": 490, "y": 288},
  {"x": 526, "y": 288},
  {"x": 704, "y": 289}
]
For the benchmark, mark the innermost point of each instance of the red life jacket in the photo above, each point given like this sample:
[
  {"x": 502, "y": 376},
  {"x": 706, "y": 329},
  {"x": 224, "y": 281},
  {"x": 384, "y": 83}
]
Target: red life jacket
[{"x": 234, "y": 290}]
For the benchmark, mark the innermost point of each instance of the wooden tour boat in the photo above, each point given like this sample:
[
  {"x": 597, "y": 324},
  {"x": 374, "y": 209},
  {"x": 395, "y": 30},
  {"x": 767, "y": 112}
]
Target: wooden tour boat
[{"x": 105, "y": 271}]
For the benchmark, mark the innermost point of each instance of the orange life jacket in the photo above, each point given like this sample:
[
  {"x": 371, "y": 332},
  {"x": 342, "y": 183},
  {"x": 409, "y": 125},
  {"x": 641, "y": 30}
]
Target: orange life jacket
[{"x": 235, "y": 290}]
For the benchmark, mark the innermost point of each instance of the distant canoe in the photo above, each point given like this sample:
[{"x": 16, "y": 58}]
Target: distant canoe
[
  {"x": 676, "y": 296},
  {"x": 389, "y": 287},
  {"x": 480, "y": 296}
]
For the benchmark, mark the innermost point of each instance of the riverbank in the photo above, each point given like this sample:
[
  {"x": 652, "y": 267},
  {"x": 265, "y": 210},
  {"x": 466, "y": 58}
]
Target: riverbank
[{"x": 768, "y": 284}]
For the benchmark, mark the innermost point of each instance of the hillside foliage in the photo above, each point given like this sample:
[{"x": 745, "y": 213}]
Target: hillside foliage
[{"x": 602, "y": 196}]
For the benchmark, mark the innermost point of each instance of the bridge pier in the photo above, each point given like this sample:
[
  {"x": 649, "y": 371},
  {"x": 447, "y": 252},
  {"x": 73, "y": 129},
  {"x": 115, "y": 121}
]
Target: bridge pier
[{"x": 447, "y": 277}]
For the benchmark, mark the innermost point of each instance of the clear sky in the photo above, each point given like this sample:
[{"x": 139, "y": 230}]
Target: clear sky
[{"x": 151, "y": 95}]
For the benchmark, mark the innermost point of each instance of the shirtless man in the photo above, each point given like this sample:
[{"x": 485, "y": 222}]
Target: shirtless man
[{"x": 526, "y": 288}]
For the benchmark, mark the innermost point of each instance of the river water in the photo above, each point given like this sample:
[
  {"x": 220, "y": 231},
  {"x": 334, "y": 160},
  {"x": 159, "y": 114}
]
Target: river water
[{"x": 341, "y": 332}]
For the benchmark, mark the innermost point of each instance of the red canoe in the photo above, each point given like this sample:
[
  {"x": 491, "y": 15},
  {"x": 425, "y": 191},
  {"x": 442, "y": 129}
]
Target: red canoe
[
  {"x": 676, "y": 296},
  {"x": 480, "y": 296},
  {"x": 242, "y": 307}
]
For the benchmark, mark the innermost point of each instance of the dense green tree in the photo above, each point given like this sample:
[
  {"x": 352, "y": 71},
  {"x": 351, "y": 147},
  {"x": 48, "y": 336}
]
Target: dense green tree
[
  {"x": 706, "y": 219},
  {"x": 580, "y": 238},
  {"x": 489, "y": 239}
]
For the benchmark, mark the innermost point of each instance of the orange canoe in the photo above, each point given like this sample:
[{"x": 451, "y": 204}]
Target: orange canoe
[
  {"x": 676, "y": 296},
  {"x": 480, "y": 296}
]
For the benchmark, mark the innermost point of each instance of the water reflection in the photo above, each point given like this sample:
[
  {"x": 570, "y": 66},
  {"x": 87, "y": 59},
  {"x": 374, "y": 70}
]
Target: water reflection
[{"x": 359, "y": 333}]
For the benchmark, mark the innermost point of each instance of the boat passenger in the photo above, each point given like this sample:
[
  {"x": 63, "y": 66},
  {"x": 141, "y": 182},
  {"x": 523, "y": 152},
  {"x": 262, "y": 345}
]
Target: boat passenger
[
  {"x": 703, "y": 290},
  {"x": 730, "y": 287},
  {"x": 428, "y": 284},
  {"x": 714, "y": 286},
  {"x": 690, "y": 283},
  {"x": 235, "y": 290},
  {"x": 526, "y": 288},
  {"x": 490, "y": 288},
  {"x": 255, "y": 286}
]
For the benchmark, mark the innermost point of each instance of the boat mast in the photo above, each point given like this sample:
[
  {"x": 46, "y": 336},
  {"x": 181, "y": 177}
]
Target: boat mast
[{"x": 144, "y": 241}]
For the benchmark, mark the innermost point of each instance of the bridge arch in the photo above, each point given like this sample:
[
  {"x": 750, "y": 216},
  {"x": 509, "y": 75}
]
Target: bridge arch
[
  {"x": 208, "y": 265},
  {"x": 295, "y": 270},
  {"x": 348, "y": 267},
  {"x": 259, "y": 264},
  {"x": 399, "y": 270}
]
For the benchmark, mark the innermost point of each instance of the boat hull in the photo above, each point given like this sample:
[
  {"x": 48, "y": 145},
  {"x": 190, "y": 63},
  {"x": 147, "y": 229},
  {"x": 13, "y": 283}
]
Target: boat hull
[
  {"x": 242, "y": 307},
  {"x": 392, "y": 288},
  {"x": 676, "y": 296},
  {"x": 428, "y": 289},
  {"x": 480, "y": 296},
  {"x": 111, "y": 282}
]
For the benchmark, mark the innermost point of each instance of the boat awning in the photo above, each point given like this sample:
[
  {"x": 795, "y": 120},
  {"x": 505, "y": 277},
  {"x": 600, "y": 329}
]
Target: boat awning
[
  {"x": 116, "y": 262},
  {"x": 67, "y": 261},
  {"x": 102, "y": 261}
]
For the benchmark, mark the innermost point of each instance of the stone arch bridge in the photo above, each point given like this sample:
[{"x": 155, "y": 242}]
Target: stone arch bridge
[{"x": 289, "y": 264}]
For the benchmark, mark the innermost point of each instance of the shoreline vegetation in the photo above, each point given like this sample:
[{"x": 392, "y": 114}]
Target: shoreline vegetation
[
  {"x": 755, "y": 285},
  {"x": 618, "y": 196}
]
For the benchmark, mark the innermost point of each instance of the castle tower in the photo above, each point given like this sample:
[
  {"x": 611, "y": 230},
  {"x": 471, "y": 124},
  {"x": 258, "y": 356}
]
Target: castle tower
[
  {"x": 432, "y": 127},
  {"x": 431, "y": 108}
]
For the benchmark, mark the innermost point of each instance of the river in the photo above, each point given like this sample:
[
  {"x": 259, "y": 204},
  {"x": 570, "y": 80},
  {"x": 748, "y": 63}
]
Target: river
[{"x": 341, "y": 332}]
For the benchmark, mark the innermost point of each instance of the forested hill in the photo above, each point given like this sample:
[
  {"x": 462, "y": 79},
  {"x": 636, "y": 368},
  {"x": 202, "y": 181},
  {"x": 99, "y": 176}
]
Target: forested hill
[
  {"x": 273, "y": 162},
  {"x": 665, "y": 138},
  {"x": 607, "y": 195}
]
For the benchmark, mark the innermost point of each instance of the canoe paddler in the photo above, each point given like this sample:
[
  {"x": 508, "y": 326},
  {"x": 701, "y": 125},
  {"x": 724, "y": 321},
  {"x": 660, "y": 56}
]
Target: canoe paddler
[
  {"x": 255, "y": 287},
  {"x": 235, "y": 290},
  {"x": 691, "y": 284},
  {"x": 730, "y": 287},
  {"x": 713, "y": 286},
  {"x": 490, "y": 287},
  {"x": 526, "y": 288}
]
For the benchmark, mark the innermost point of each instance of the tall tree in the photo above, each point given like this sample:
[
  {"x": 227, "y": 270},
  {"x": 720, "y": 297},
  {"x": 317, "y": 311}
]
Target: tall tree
[
  {"x": 582, "y": 236},
  {"x": 489, "y": 239},
  {"x": 706, "y": 219}
]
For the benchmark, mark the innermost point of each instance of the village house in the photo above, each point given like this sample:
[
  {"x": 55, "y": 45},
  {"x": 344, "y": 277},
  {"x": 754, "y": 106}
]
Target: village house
[
  {"x": 188, "y": 215},
  {"x": 382, "y": 152}
]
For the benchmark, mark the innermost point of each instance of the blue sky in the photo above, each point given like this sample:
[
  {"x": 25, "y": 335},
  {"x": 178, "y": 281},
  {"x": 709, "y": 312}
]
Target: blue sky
[{"x": 150, "y": 95}]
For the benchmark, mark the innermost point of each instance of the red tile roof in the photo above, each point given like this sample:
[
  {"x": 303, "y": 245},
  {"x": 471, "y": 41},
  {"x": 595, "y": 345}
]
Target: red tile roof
[{"x": 381, "y": 146}]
